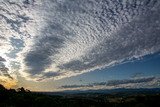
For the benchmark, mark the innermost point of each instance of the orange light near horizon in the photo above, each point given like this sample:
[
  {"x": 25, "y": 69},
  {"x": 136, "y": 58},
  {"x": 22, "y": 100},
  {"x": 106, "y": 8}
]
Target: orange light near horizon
[{"x": 8, "y": 82}]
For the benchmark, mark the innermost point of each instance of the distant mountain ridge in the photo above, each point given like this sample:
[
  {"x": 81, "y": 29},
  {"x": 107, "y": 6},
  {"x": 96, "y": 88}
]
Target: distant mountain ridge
[{"x": 108, "y": 91}]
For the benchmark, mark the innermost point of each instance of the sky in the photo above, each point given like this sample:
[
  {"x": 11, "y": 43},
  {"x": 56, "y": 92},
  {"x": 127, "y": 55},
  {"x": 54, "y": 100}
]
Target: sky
[{"x": 56, "y": 45}]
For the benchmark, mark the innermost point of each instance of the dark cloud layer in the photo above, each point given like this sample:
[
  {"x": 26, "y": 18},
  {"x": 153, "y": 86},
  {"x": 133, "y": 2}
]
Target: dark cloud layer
[
  {"x": 139, "y": 80},
  {"x": 38, "y": 59},
  {"x": 132, "y": 83}
]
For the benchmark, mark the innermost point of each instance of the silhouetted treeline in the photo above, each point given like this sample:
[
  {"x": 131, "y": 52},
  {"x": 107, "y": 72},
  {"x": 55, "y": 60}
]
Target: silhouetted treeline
[{"x": 24, "y": 98}]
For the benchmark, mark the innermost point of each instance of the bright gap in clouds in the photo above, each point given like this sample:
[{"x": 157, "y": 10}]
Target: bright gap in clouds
[{"x": 55, "y": 39}]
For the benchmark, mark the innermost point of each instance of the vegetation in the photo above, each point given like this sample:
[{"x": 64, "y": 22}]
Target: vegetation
[{"x": 24, "y": 98}]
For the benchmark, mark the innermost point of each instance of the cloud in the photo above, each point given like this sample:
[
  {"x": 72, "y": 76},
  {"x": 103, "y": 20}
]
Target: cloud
[
  {"x": 17, "y": 30},
  {"x": 141, "y": 82},
  {"x": 3, "y": 69},
  {"x": 136, "y": 74},
  {"x": 84, "y": 36},
  {"x": 62, "y": 38},
  {"x": 127, "y": 81},
  {"x": 75, "y": 86},
  {"x": 2, "y": 59},
  {"x": 5, "y": 77},
  {"x": 8, "y": 82}
]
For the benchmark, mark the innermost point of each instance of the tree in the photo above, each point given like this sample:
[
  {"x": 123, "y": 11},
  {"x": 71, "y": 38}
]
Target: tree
[
  {"x": 21, "y": 89},
  {"x": 2, "y": 88}
]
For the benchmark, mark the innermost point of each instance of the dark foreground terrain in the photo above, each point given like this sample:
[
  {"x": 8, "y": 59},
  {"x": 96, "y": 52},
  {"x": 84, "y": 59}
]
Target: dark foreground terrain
[{"x": 114, "y": 98}]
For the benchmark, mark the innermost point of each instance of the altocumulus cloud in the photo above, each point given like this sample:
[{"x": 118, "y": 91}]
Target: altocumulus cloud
[
  {"x": 17, "y": 28},
  {"x": 64, "y": 38}
]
